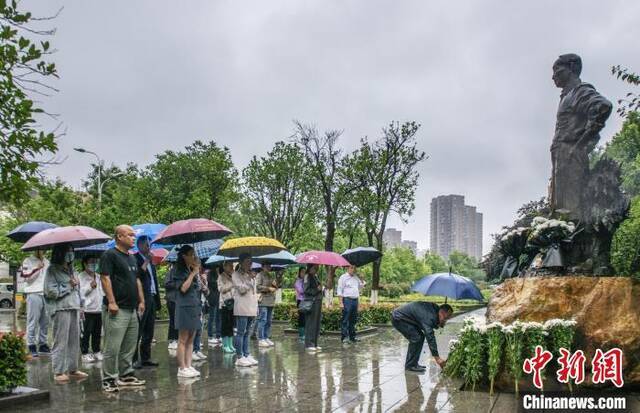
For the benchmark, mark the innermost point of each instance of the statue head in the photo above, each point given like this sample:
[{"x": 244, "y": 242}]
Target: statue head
[{"x": 566, "y": 68}]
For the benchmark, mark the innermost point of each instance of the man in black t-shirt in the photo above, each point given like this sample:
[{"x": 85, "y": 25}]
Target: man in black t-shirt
[{"x": 123, "y": 303}]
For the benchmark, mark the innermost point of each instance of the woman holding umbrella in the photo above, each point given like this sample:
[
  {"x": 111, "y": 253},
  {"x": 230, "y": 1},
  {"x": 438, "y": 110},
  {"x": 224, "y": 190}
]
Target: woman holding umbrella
[
  {"x": 245, "y": 309},
  {"x": 226, "y": 302},
  {"x": 188, "y": 307},
  {"x": 313, "y": 292},
  {"x": 61, "y": 291}
]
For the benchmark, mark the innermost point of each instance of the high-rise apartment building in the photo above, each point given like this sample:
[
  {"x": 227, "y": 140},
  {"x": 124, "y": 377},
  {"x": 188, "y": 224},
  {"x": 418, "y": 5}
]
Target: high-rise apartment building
[
  {"x": 392, "y": 237},
  {"x": 455, "y": 227}
]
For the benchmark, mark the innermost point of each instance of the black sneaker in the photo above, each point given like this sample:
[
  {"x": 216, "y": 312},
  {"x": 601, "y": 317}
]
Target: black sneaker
[
  {"x": 33, "y": 350},
  {"x": 130, "y": 381},
  {"x": 44, "y": 350},
  {"x": 110, "y": 386},
  {"x": 355, "y": 340}
]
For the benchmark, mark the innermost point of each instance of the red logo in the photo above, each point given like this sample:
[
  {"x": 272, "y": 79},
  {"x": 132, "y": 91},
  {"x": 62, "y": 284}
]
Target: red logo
[
  {"x": 608, "y": 366},
  {"x": 536, "y": 363},
  {"x": 571, "y": 366}
]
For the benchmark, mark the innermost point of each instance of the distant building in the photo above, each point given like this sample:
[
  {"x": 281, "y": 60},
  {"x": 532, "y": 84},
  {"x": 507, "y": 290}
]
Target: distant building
[
  {"x": 412, "y": 245},
  {"x": 455, "y": 227},
  {"x": 392, "y": 237}
]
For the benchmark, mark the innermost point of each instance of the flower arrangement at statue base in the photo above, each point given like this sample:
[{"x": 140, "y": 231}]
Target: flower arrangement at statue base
[{"x": 484, "y": 352}]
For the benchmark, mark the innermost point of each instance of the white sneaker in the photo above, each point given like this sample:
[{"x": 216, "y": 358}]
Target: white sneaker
[
  {"x": 88, "y": 358},
  {"x": 98, "y": 356},
  {"x": 271, "y": 343},
  {"x": 311, "y": 349},
  {"x": 196, "y": 372},
  {"x": 201, "y": 355},
  {"x": 252, "y": 361},
  {"x": 318, "y": 348},
  {"x": 186, "y": 373},
  {"x": 263, "y": 343},
  {"x": 173, "y": 345},
  {"x": 243, "y": 362}
]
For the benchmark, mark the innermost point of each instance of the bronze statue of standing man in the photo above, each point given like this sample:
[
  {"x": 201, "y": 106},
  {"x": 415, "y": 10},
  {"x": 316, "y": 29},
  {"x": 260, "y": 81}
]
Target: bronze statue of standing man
[{"x": 582, "y": 113}]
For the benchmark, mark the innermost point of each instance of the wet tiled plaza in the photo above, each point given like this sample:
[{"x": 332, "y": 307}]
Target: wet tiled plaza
[{"x": 367, "y": 377}]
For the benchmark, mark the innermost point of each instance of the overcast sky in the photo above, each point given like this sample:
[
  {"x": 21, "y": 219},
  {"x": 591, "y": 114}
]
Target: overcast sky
[{"x": 141, "y": 77}]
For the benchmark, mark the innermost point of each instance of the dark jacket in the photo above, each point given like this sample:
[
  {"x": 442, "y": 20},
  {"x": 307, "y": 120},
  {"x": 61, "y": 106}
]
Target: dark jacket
[
  {"x": 423, "y": 315},
  {"x": 311, "y": 287},
  {"x": 145, "y": 277},
  {"x": 213, "y": 299}
]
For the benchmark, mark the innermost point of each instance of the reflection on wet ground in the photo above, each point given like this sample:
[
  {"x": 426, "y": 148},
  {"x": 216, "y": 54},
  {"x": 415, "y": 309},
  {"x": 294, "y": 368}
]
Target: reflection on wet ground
[{"x": 367, "y": 377}]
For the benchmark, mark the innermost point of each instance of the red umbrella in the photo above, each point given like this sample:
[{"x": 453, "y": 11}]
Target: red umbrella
[
  {"x": 322, "y": 258},
  {"x": 77, "y": 236},
  {"x": 189, "y": 231},
  {"x": 157, "y": 255}
]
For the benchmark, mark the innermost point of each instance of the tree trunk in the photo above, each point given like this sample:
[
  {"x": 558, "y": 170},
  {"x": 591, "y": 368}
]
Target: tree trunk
[{"x": 375, "y": 277}]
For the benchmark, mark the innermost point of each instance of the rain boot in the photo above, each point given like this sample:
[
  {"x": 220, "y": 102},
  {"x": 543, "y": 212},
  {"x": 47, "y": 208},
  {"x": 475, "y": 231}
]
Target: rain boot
[
  {"x": 225, "y": 345},
  {"x": 231, "y": 344}
]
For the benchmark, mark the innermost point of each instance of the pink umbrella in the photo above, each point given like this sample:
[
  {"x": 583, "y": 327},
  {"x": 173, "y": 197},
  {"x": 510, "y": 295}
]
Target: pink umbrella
[
  {"x": 157, "y": 255},
  {"x": 322, "y": 258},
  {"x": 77, "y": 236},
  {"x": 189, "y": 231}
]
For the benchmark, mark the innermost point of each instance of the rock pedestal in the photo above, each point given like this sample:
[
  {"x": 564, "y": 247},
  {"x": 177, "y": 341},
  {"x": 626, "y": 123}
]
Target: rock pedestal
[{"x": 607, "y": 310}]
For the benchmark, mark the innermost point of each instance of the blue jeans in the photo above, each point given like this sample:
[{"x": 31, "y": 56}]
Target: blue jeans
[
  {"x": 349, "y": 317},
  {"x": 265, "y": 314},
  {"x": 243, "y": 327},
  {"x": 214, "y": 324}
]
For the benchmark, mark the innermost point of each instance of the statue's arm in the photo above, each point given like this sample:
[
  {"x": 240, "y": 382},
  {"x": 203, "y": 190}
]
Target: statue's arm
[{"x": 597, "y": 109}]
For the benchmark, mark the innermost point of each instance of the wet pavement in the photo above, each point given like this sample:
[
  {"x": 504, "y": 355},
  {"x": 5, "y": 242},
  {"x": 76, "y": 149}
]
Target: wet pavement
[{"x": 367, "y": 377}]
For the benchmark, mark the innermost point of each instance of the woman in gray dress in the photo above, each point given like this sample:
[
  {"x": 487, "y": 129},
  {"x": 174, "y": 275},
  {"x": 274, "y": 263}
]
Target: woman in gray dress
[{"x": 188, "y": 307}]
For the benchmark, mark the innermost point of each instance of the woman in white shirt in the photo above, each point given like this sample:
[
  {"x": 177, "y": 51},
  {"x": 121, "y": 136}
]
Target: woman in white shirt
[{"x": 91, "y": 294}]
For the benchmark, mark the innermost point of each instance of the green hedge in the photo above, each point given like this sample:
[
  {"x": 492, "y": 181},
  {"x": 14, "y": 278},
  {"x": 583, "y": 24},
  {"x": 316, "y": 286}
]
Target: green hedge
[
  {"x": 13, "y": 362},
  {"x": 332, "y": 317}
]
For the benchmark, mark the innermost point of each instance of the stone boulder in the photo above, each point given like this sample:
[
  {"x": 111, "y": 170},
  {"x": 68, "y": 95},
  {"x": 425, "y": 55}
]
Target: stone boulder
[{"x": 607, "y": 310}]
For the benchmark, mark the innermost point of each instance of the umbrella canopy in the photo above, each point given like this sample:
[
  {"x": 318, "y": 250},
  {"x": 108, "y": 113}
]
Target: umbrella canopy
[
  {"x": 254, "y": 246},
  {"x": 204, "y": 249},
  {"x": 216, "y": 259},
  {"x": 158, "y": 255},
  {"x": 77, "y": 236},
  {"x": 449, "y": 285},
  {"x": 25, "y": 231},
  {"x": 361, "y": 255},
  {"x": 322, "y": 258},
  {"x": 256, "y": 266},
  {"x": 92, "y": 250},
  {"x": 279, "y": 258},
  {"x": 190, "y": 231}
]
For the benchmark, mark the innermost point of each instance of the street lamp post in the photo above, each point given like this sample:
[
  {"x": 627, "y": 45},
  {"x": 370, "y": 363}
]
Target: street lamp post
[{"x": 100, "y": 182}]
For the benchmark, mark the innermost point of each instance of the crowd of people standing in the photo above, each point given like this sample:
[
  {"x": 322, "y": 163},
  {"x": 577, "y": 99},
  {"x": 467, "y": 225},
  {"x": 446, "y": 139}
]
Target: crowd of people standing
[{"x": 107, "y": 311}]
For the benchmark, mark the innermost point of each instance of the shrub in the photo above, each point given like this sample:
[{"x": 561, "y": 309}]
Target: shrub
[
  {"x": 282, "y": 311},
  {"x": 288, "y": 295},
  {"x": 625, "y": 247},
  {"x": 332, "y": 317},
  {"x": 13, "y": 362}
]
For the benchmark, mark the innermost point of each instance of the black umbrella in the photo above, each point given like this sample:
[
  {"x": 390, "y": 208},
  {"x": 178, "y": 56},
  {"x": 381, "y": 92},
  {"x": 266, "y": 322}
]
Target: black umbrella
[
  {"x": 24, "y": 232},
  {"x": 361, "y": 255}
]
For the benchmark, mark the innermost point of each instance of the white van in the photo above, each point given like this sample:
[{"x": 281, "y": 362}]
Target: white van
[{"x": 6, "y": 295}]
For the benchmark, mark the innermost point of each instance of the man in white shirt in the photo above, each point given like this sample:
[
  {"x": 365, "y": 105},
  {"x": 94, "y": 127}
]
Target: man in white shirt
[
  {"x": 33, "y": 271},
  {"x": 349, "y": 286}
]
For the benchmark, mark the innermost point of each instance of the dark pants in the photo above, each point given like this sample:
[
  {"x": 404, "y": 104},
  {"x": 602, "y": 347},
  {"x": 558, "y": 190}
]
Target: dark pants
[
  {"x": 172, "y": 334},
  {"x": 92, "y": 330},
  {"x": 226, "y": 322},
  {"x": 416, "y": 340},
  {"x": 214, "y": 321},
  {"x": 312, "y": 324},
  {"x": 301, "y": 316},
  {"x": 349, "y": 317},
  {"x": 145, "y": 332}
]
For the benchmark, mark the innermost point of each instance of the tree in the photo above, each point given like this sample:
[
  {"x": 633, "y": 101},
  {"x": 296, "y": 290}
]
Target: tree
[
  {"x": 624, "y": 148},
  {"x": 22, "y": 74},
  {"x": 279, "y": 193},
  {"x": 631, "y": 102},
  {"x": 325, "y": 161},
  {"x": 197, "y": 183},
  {"x": 386, "y": 177},
  {"x": 625, "y": 247},
  {"x": 435, "y": 263}
]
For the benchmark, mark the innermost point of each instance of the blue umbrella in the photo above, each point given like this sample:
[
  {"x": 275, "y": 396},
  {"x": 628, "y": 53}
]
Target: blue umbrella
[
  {"x": 218, "y": 259},
  {"x": 92, "y": 250},
  {"x": 25, "y": 231},
  {"x": 204, "y": 249},
  {"x": 449, "y": 285},
  {"x": 256, "y": 266},
  {"x": 279, "y": 258},
  {"x": 145, "y": 230}
]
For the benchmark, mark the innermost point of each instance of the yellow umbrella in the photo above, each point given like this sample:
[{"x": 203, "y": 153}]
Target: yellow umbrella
[{"x": 254, "y": 246}]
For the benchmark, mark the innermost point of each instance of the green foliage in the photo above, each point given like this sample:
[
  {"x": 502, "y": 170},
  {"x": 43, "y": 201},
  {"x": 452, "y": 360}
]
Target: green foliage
[
  {"x": 13, "y": 362},
  {"x": 282, "y": 311},
  {"x": 624, "y": 148},
  {"x": 631, "y": 102},
  {"x": 495, "y": 343},
  {"x": 332, "y": 317},
  {"x": 625, "y": 247},
  {"x": 280, "y": 195},
  {"x": 22, "y": 71},
  {"x": 399, "y": 267}
]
